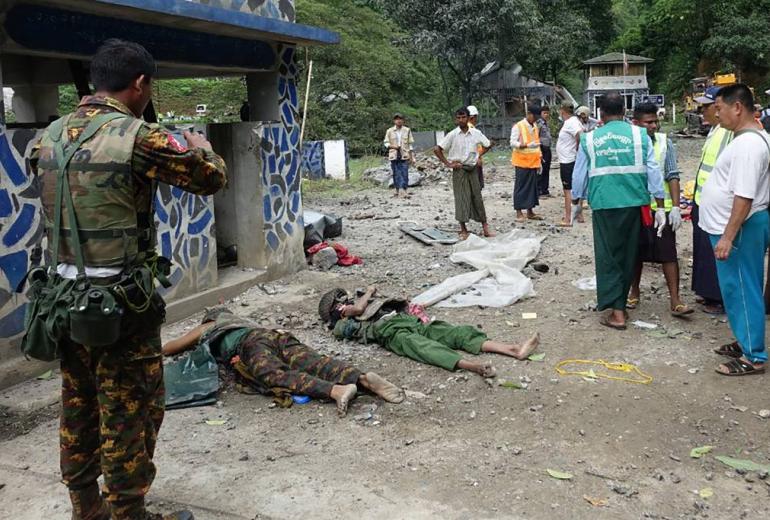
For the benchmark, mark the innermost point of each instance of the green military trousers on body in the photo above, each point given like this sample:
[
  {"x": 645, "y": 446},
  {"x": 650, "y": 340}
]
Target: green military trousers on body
[{"x": 434, "y": 343}]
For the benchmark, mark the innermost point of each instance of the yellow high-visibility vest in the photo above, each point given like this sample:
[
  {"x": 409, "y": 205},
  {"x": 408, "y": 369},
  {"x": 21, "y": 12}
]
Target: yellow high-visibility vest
[
  {"x": 715, "y": 143},
  {"x": 660, "y": 148}
]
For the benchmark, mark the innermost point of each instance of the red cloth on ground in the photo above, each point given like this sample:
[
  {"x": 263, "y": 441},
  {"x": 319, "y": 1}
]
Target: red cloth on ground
[{"x": 343, "y": 255}]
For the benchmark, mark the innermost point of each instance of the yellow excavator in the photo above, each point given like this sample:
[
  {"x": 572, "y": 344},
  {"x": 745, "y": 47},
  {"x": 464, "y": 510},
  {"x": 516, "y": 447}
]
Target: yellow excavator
[{"x": 698, "y": 86}]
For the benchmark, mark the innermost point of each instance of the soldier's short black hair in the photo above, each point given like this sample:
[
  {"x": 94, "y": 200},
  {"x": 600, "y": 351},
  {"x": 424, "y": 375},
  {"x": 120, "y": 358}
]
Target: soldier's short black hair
[
  {"x": 612, "y": 104},
  {"x": 117, "y": 63},
  {"x": 462, "y": 111},
  {"x": 738, "y": 93},
  {"x": 644, "y": 109}
]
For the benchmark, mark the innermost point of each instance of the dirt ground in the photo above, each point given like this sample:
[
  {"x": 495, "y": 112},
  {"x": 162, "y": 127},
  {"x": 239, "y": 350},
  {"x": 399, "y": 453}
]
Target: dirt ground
[{"x": 461, "y": 447}]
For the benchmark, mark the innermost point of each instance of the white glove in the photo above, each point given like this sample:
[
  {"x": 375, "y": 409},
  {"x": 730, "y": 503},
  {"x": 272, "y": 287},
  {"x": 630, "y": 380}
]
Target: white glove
[
  {"x": 675, "y": 218},
  {"x": 533, "y": 145},
  {"x": 577, "y": 209},
  {"x": 660, "y": 221}
]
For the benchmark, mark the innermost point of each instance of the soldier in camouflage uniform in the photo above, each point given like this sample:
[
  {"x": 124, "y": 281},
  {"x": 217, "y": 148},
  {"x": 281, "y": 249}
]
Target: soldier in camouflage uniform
[
  {"x": 113, "y": 397},
  {"x": 274, "y": 361}
]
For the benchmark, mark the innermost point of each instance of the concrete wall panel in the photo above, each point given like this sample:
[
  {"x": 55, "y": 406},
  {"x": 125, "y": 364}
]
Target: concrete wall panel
[{"x": 336, "y": 159}]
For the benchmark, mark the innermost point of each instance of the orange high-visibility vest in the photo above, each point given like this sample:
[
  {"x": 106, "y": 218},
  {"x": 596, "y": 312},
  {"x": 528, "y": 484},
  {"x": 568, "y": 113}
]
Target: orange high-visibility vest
[{"x": 527, "y": 157}]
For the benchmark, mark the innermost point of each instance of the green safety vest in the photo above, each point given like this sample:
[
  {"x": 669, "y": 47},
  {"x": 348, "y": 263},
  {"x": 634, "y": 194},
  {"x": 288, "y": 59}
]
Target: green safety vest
[
  {"x": 617, "y": 165},
  {"x": 114, "y": 223},
  {"x": 715, "y": 143},
  {"x": 660, "y": 148}
]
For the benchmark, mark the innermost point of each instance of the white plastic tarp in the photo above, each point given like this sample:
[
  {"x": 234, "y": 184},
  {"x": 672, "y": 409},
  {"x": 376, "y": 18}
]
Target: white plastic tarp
[{"x": 502, "y": 257}]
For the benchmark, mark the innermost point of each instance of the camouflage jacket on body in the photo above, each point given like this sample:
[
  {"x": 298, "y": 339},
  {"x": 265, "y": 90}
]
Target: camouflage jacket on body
[{"x": 112, "y": 180}]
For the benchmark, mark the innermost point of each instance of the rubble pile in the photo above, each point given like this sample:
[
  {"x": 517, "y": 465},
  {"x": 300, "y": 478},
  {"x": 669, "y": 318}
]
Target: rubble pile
[{"x": 427, "y": 169}]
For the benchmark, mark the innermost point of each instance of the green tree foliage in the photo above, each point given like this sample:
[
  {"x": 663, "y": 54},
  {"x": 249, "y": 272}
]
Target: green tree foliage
[
  {"x": 688, "y": 38},
  {"x": 549, "y": 38},
  {"x": 359, "y": 84}
]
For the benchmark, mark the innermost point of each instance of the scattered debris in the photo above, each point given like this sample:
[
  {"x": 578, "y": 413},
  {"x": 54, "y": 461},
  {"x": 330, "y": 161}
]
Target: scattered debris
[
  {"x": 540, "y": 356},
  {"x": 742, "y": 464},
  {"x": 215, "y": 422},
  {"x": 644, "y": 325},
  {"x": 561, "y": 475},
  {"x": 528, "y": 315},
  {"x": 700, "y": 451},
  {"x": 764, "y": 414},
  {"x": 706, "y": 493},
  {"x": 596, "y": 502},
  {"x": 427, "y": 235},
  {"x": 415, "y": 395},
  {"x": 45, "y": 376},
  {"x": 586, "y": 284}
]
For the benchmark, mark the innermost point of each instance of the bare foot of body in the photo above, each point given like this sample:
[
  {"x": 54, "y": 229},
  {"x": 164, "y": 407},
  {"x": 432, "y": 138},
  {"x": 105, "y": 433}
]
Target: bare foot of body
[
  {"x": 518, "y": 351},
  {"x": 342, "y": 395},
  {"x": 482, "y": 369},
  {"x": 380, "y": 386}
]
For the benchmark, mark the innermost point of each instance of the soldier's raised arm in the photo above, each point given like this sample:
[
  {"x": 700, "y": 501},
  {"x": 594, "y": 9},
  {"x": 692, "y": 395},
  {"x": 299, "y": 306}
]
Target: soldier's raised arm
[{"x": 196, "y": 168}]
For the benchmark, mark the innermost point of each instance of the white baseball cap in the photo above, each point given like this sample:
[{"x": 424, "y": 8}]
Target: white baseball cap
[
  {"x": 472, "y": 110},
  {"x": 583, "y": 110}
]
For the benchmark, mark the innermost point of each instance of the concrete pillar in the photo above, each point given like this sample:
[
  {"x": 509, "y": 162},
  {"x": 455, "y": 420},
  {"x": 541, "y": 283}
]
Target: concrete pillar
[
  {"x": 238, "y": 208},
  {"x": 35, "y": 103},
  {"x": 262, "y": 94}
]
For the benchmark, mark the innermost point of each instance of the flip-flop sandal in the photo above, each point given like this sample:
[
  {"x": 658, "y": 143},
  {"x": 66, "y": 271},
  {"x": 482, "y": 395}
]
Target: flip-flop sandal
[
  {"x": 739, "y": 367},
  {"x": 732, "y": 350},
  {"x": 534, "y": 217},
  {"x": 564, "y": 223},
  {"x": 491, "y": 234},
  {"x": 521, "y": 220},
  {"x": 463, "y": 235},
  {"x": 607, "y": 323},
  {"x": 681, "y": 310},
  {"x": 718, "y": 310},
  {"x": 631, "y": 303}
]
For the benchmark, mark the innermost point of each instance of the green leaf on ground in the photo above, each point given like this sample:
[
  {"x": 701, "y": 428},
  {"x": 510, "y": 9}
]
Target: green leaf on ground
[
  {"x": 561, "y": 475},
  {"x": 537, "y": 357},
  {"x": 511, "y": 384},
  {"x": 215, "y": 422},
  {"x": 706, "y": 493},
  {"x": 744, "y": 464},
  {"x": 45, "y": 375},
  {"x": 700, "y": 451}
]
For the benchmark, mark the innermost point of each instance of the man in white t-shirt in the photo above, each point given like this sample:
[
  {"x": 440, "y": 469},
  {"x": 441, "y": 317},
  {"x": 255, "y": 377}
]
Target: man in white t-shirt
[
  {"x": 733, "y": 211},
  {"x": 566, "y": 150},
  {"x": 462, "y": 149}
]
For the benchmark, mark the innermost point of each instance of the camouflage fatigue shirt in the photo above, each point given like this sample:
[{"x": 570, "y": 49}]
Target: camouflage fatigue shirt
[{"x": 158, "y": 156}]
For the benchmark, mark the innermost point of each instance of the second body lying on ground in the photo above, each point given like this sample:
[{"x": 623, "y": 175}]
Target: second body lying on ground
[{"x": 388, "y": 323}]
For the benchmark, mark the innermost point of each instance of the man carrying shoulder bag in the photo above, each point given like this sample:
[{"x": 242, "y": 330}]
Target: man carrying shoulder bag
[{"x": 95, "y": 305}]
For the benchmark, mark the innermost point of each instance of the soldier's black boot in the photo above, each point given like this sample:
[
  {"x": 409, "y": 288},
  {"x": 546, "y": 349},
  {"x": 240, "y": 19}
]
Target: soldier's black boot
[{"x": 88, "y": 504}]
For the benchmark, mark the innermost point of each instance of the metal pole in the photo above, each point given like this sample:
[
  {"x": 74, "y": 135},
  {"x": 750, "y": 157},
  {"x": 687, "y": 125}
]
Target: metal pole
[
  {"x": 304, "y": 108},
  {"x": 673, "y": 113}
]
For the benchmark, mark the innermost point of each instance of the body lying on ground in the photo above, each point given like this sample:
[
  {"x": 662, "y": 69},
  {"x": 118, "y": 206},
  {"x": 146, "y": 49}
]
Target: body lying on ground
[
  {"x": 389, "y": 323},
  {"x": 273, "y": 361}
]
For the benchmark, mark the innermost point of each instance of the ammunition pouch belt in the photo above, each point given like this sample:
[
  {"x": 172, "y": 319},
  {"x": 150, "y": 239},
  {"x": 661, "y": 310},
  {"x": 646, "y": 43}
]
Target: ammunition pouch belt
[{"x": 90, "y": 311}]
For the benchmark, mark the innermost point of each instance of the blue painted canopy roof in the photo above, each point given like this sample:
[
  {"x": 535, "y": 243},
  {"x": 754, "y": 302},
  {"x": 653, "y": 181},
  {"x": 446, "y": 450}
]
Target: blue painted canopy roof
[
  {"x": 178, "y": 33},
  {"x": 195, "y": 16}
]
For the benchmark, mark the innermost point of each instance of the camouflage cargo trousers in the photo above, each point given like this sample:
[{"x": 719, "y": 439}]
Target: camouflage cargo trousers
[
  {"x": 112, "y": 409},
  {"x": 276, "y": 359}
]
